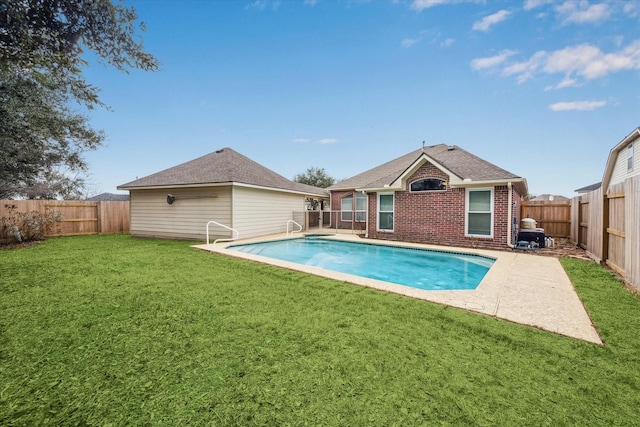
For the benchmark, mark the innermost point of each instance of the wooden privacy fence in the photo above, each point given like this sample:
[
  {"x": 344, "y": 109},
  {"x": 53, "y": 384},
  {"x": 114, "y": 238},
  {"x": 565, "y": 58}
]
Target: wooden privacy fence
[
  {"x": 607, "y": 226},
  {"x": 78, "y": 216},
  {"x": 554, "y": 217}
]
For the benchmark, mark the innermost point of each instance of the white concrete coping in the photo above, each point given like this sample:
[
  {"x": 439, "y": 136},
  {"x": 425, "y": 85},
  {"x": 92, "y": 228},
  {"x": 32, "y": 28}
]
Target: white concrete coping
[{"x": 522, "y": 288}]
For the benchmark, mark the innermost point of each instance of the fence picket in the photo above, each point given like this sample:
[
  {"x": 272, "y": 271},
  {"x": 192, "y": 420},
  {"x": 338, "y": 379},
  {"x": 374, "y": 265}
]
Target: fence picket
[{"x": 78, "y": 217}]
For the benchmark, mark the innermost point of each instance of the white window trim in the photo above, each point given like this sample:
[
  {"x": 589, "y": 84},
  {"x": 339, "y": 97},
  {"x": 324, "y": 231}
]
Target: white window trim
[
  {"x": 630, "y": 150},
  {"x": 466, "y": 212},
  {"x": 393, "y": 211}
]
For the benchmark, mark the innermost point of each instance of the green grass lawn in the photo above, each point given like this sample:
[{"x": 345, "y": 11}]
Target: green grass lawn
[{"x": 111, "y": 330}]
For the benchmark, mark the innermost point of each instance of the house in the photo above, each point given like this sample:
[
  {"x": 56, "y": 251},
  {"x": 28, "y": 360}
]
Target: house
[
  {"x": 550, "y": 198},
  {"x": 588, "y": 188},
  {"x": 605, "y": 219},
  {"x": 623, "y": 161},
  {"x": 223, "y": 186},
  {"x": 109, "y": 197},
  {"x": 439, "y": 194}
]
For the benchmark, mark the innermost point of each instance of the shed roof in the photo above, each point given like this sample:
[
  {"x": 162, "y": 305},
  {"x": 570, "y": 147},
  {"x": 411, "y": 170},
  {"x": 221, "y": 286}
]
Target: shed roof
[
  {"x": 224, "y": 166},
  {"x": 455, "y": 160}
]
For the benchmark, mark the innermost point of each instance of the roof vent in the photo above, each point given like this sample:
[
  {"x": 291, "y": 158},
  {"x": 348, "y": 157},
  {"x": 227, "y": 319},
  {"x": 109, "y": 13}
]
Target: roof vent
[
  {"x": 220, "y": 150},
  {"x": 451, "y": 148}
]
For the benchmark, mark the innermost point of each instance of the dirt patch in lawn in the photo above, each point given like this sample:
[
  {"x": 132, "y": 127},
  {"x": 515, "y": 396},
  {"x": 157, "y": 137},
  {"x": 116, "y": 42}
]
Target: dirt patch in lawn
[{"x": 563, "y": 248}]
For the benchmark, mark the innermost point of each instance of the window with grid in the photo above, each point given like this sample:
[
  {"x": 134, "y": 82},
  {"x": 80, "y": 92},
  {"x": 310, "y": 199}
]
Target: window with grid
[
  {"x": 385, "y": 212},
  {"x": 479, "y": 212}
]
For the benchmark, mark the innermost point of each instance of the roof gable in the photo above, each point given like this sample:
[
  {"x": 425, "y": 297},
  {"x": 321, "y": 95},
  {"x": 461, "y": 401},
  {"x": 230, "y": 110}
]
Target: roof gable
[
  {"x": 613, "y": 156},
  {"x": 224, "y": 166},
  {"x": 461, "y": 165}
]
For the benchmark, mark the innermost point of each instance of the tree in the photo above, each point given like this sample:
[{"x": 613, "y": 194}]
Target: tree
[
  {"x": 42, "y": 137},
  {"x": 315, "y": 176}
]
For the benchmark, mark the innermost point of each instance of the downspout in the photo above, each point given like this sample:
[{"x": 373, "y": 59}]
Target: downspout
[{"x": 510, "y": 215}]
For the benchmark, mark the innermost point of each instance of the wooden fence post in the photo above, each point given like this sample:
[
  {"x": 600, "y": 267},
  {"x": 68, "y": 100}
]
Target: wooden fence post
[
  {"x": 605, "y": 227},
  {"x": 99, "y": 217}
]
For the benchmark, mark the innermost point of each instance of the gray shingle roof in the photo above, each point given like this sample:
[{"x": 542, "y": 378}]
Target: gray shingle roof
[
  {"x": 589, "y": 188},
  {"x": 109, "y": 197},
  {"x": 453, "y": 158},
  {"x": 219, "y": 167}
]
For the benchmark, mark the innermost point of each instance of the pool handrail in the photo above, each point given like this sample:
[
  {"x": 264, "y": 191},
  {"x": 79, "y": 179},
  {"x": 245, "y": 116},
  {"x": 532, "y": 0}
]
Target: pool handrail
[
  {"x": 223, "y": 239},
  {"x": 293, "y": 231}
]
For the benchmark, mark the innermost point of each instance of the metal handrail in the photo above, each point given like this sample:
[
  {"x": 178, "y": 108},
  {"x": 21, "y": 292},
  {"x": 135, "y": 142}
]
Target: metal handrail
[
  {"x": 293, "y": 231},
  {"x": 237, "y": 234}
]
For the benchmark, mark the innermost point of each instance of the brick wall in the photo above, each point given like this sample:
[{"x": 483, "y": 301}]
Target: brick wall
[{"x": 438, "y": 217}]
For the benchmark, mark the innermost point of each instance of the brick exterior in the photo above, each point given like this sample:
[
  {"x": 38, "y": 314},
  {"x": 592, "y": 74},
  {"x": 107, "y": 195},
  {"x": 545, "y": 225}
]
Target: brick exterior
[{"x": 438, "y": 217}]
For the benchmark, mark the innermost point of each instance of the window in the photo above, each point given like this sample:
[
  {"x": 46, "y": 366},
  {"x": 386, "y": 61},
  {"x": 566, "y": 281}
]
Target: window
[
  {"x": 385, "y": 212},
  {"x": 428, "y": 184},
  {"x": 361, "y": 207},
  {"x": 480, "y": 212},
  {"x": 630, "y": 157},
  {"x": 346, "y": 208}
]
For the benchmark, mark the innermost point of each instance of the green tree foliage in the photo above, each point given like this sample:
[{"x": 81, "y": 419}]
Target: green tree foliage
[
  {"x": 42, "y": 137},
  {"x": 315, "y": 176}
]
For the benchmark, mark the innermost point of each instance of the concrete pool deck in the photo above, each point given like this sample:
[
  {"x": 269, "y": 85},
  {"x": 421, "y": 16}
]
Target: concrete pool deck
[{"x": 522, "y": 288}]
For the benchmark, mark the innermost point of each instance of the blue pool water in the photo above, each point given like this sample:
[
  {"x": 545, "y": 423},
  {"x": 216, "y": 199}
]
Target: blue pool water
[{"x": 418, "y": 268}]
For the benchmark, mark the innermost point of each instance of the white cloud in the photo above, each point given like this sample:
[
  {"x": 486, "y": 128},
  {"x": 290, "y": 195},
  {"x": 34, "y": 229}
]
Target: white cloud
[
  {"x": 584, "y": 60},
  {"x": 581, "y": 12},
  {"x": 591, "y": 63},
  {"x": 532, "y": 4},
  {"x": 257, "y": 4},
  {"x": 409, "y": 42},
  {"x": 577, "y": 105},
  {"x": 302, "y": 140},
  {"x": 491, "y": 61},
  {"x": 632, "y": 9},
  {"x": 261, "y": 5},
  {"x": 420, "y": 5},
  {"x": 328, "y": 141},
  {"x": 435, "y": 39},
  {"x": 526, "y": 70},
  {"x": 448, "y": 42},
  {"x": 566, "y": 82},
  {"x": 425, "y": 4},
  {"x": 485, "y": 23}
]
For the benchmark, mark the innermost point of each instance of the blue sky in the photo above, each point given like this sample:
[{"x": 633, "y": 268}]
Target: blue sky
[{"x": 543, "y": 89}]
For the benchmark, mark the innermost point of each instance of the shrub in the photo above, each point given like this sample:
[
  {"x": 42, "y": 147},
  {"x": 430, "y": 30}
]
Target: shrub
[{"x": 19, "y": 227}]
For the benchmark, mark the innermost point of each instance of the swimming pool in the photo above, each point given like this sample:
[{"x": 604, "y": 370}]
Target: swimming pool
[{"x": 417, "y": 268}]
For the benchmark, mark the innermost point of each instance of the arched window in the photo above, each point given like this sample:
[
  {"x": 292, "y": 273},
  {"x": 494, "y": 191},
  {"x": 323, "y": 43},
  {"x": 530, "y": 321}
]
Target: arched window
[{"x": 428, "y": 184}]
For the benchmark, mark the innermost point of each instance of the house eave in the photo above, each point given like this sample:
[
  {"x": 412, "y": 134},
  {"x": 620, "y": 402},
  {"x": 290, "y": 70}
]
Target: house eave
[
  {"x": 167, "y": 186},
  {"x": 520, "y": 183},
  {"x": 221, "y": 184},
  {"x": 613, "y": 154},
  {"x": 379, "y": 189}
]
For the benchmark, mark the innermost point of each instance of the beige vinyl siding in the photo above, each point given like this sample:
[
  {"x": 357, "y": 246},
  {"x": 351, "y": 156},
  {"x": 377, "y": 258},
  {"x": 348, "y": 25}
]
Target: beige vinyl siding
[
  {"x": 258, "y": 212},
  {"x": 152, "y": 216},
  {"x": 620, "y": 171}
]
